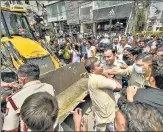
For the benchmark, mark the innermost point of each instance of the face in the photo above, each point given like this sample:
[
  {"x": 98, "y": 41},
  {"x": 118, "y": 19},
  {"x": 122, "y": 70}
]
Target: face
[
  {"x": 120, "y": 122},
  {"x": 126, "y": 52},
  {"x": 97, "y": 68},
  {"x": 96, "y": 46},
  {"x": 55, "y": 42},
  {"x": 152, "y": 82},
  {"x": 88, "y": 45},
  {"x": 109, "y": 57},
  {"x": 153, "y": 49},
  {"x": 22, "y": 80},
  {"x": 115, "y": 41},
  {"x": 141, "y": 44},
  {"x": 160, "y": 54},
  {"x": 84, "y": 41},
  {"x": 144, "y": 65},
  {"x": 123, "y": 42},
  {"x": 68, "y": 45},
  {"x": 132, "y": 57},
  {"x": 73, "y": 46}
]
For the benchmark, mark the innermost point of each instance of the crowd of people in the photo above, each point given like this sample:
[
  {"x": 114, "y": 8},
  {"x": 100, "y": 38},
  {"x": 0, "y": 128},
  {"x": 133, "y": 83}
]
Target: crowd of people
[{"x": 125, "y": 85}]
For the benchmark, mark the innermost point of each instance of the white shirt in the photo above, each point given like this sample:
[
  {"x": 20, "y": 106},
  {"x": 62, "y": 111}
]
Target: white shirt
[
  {"x": 89, "y": 51},
  {"x": 115, "y": 46},
  {"x": 75, "y": 56},
  {"x": 120, "y": 48}
]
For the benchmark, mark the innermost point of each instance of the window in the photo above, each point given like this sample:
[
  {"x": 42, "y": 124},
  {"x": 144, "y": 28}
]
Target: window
[
  {"x": 54, "y": 10},
  {"x": 61, "y": 8},
  {"x": 17, "y": 24},
  {"x": 27, "y": 2},
  {"x": 3, "y": 31}
]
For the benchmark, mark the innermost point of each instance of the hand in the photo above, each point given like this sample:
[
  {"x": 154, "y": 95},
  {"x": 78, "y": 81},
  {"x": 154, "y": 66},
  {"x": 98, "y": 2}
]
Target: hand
[
  {"x": 109, "y": 71},
  {"x": 15, "y": 85},
  {"x": 84, "y": 127},
  {"x": 131, "y": 92},
  {"x": 86, "y": 75},
  {"x": 123, "y": 66},
  {"x": 107, "y": 75},
  {"x": 83, "y": 60},
  {"x": 77, "y": 116},
  {"x": 4, "y": 84}
]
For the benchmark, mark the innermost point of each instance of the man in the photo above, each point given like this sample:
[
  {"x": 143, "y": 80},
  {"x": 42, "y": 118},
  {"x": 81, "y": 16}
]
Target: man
[
  {"x": 39, "y": 112},
  {"x": 101, "y": 93},
  {"x": 139, "y": 73},
  {"x": 160, "y": 51},
  {"x": 153, "y": 49},
  {"x": 152, "y": 40},
  {"x": 83, "y": 47},
  {"x": 144, "y": 46},
  {"x": 28, "y": 75},
  {"x": 137, "y": 117},
  {"x": 116, "y": 43},
  {"x": 130, "y": 39},
  {"x": 55, "y": 47},
  {"x": 152, "y": 94},
  {"x": 135, "y": 51},
  {"x": 123, "y": 44},
  {"x": 112, "y": 62}
]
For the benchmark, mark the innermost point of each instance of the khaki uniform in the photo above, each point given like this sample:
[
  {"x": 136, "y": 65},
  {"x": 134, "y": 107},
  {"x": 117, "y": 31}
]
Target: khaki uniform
[
  {"x": 117, "y": 63},
  {"x": 103, "y": 100},
  {"x": 134, "y": 77},
  {"x": 12, "y": 118}
]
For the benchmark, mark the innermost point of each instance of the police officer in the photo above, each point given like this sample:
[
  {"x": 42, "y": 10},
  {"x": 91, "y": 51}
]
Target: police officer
[{"x": 28, "y": 75}]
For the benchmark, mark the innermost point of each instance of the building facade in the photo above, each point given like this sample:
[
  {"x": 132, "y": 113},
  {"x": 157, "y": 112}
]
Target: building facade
[
  {"x": 111, "y": 15},
  {"x": 155, "y": 17},
  {"x": 103, "y": 16}
]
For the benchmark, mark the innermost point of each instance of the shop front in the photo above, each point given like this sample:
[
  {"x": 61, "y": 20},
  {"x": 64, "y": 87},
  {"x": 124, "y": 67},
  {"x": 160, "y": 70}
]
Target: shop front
[
  {"x": 113, "y": 18},
  {"x": 86, "y": 18}
]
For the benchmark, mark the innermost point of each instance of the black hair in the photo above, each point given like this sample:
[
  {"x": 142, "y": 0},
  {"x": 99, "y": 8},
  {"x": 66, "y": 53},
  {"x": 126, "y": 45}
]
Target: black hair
[
  {"x": 53, "y": 39},
  {"x": 30, "y": 70},
  {"x": 76, "y": 47},
  {"x": 143, "y": 40},
  {"x": 157, "y": 71},
  {"x": 127, "y": 48},
  {"x": 136, "y": 51},
  {"x": 110, "y": 47},
  {"x": 39, "y": 111},
  {"x": 142, "y": 117},
  {"x": 144, "y": 57},
  {"x": 89, "y": 63}
]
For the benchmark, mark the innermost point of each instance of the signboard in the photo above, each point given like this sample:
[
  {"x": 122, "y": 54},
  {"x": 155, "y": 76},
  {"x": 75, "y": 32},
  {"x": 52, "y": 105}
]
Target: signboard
[
  {"x": 114, "y": 12},
  {"x": 85, "y": 14},
  {"x": 72, "y": 12}
]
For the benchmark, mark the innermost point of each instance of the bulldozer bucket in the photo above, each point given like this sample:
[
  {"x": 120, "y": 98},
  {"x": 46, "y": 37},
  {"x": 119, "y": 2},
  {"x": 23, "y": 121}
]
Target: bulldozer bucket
[{"x": 69, "y": 87}]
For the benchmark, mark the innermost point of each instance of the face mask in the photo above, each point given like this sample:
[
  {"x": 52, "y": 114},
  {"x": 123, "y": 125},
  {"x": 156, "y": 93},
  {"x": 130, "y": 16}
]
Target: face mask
[{"x": 138, "y": 69}]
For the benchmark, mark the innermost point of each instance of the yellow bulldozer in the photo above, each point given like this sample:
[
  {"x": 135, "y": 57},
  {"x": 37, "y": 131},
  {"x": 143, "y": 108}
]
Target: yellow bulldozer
[{"x": 19, "y": 46}]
